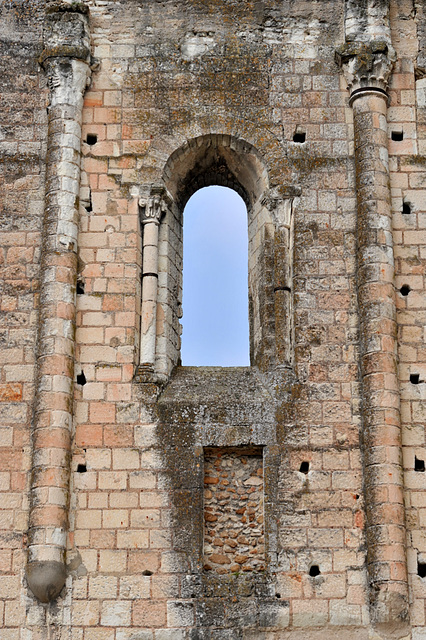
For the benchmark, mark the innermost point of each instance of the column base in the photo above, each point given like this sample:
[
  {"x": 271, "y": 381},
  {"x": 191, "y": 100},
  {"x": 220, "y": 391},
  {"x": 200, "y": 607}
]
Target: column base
[{"x": 46, "y": 579}]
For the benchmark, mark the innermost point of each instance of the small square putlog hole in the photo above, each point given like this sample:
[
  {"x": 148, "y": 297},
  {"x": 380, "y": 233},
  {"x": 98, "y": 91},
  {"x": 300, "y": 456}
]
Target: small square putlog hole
[
  {"x": 421, "y": 568},
  {"x": 419, "y": 465},
  {"x": 234, "y": 538},
  {"x": 91, "y": 139},
  {"x": 299, "y": 137}
]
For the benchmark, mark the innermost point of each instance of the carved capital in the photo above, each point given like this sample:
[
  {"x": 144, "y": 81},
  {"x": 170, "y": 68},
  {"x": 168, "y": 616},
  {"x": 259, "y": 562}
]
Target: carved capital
[
  {"x": 66, "y": 54},
  {"x": 366, "y": 65},
  {"x": 273, "y": 197},
  {"x": 67, "y": 80},
  {"x": 153, "y": 208},
  {"x": 66, "y": 32}
]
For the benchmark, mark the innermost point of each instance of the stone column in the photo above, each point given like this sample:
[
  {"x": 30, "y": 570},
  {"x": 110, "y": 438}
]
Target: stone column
[
  {"x": 152, "y": 210},
  {"x": 66, "y": 61},
  {"x": 367, "y": 67},
  {"x": 281, "y": 211}
]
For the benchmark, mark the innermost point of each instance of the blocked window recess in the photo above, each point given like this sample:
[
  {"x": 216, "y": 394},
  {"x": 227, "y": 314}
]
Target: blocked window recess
[{"x": 234, "y": 539}]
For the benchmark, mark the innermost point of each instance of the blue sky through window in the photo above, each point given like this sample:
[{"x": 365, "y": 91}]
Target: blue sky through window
[{"x": 215, "y": 291}]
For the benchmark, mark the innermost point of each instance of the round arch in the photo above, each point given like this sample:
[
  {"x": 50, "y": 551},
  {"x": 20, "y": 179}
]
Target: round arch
[{"x": 216, "y": 159}]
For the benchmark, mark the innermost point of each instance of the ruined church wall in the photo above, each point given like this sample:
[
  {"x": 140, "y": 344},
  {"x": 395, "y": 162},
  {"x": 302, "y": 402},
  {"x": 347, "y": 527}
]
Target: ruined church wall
[{"x": 163, "y": 74}]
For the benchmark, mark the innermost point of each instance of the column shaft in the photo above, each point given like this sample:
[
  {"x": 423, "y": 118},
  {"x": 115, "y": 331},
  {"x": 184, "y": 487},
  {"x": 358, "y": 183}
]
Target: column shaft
[
  {"x": 53, "y": 412},
  {"x": 380, "y": 391},
  {"x": 149, "y": 292}
]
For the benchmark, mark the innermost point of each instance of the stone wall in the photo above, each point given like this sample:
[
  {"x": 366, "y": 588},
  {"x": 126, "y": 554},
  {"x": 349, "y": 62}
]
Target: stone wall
[
  {"x": 109, "y": 506},
  {"x": 23, "y": 120}
]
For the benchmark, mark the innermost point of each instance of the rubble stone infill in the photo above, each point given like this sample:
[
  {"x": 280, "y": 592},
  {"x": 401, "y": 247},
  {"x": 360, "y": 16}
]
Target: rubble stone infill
[{"x": 233, "y": 513}]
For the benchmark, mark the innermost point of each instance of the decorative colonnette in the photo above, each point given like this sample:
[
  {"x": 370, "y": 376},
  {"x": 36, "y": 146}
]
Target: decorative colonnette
[
  {"x": 152, "y": 210},
  {"x": 367, "y": 60},
  {"x": 66, "y": 60}
]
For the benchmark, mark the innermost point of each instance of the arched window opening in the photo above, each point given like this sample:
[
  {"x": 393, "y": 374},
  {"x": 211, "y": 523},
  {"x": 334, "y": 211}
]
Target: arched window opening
[
  {"x": 266, "y": 288},
  {"x": 215, "y": 274}
]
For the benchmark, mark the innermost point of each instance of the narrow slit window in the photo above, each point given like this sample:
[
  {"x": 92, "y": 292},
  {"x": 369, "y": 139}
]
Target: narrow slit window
[{"x": 215, "y": 280}]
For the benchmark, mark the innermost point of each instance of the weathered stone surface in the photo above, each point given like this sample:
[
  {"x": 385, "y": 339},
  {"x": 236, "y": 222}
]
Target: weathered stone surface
[
  {"x": 118, "y": 458},
  {"x": 233, "y": 511}
]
